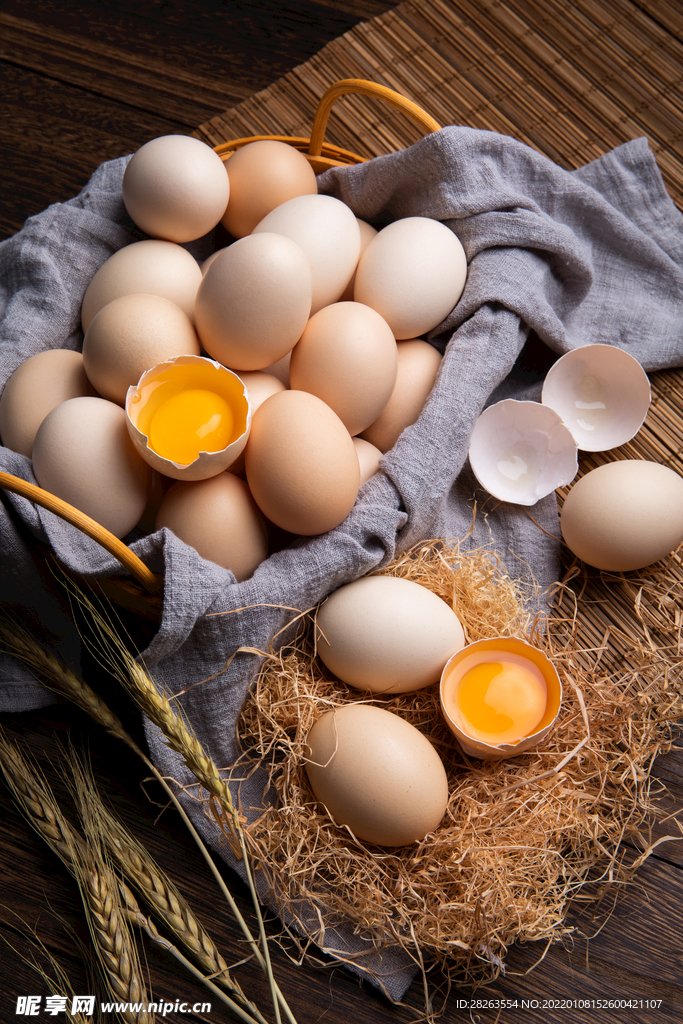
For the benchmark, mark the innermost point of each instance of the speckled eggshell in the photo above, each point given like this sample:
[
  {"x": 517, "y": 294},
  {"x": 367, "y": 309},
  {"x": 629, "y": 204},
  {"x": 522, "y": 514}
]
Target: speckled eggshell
[
  {"x": 264, "y": 174},
  {"x": 386, "y": 634},
  {"x": 413, "y": 273},
  {"x": 83, "y": 454},
  {"x": 327, "y": 233},
  {"x": 219, "y": 519},
  {"x": 418, "y": 365},
  {"x": 175, "y": 187},
  {"x": 624, "y": 515},
  {"x": 347, "y": 356},
  {"x": 152, "y": 266},
  {"x": 37, "y": 386},
  {"x": 128, "y": 336},
  {"x": 253, "y": 302},
  {"x": 377, "y": 774},
  {"x": 301, "y": 464}
]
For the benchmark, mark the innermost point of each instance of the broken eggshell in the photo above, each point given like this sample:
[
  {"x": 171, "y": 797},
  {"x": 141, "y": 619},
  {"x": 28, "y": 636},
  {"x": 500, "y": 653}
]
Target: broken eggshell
[
  {"x": 170, "y": 378},
  {"x": 522, "y": 451},
  {"x": 458, "y": 666},
  {"x": 601, "y": 394}
]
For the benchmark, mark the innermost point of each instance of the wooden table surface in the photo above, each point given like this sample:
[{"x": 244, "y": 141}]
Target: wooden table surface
[{"x": 90, "y": 82}]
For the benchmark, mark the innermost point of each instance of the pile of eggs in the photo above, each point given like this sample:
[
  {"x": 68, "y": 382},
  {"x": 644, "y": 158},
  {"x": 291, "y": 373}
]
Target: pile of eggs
[{"x": 258, "y": 390}]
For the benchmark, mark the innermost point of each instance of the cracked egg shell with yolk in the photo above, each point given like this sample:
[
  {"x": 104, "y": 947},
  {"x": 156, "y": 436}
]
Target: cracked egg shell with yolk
[{"x": 189, "y": 417}]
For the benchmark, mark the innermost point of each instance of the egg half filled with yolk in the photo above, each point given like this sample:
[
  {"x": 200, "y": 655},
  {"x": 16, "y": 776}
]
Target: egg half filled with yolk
[
  {"x": 502, "y": 700},
  {"x": 191, "y": 422}
]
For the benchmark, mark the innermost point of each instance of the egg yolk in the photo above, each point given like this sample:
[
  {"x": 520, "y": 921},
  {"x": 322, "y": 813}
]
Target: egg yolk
[
  {"x": 501, "y": 701},
  {"x": 191, "y": 422}
]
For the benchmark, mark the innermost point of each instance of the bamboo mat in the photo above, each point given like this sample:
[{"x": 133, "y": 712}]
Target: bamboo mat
[{"x": 571, "y": 78}]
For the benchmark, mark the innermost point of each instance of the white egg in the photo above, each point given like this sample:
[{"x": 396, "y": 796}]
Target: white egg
[{"x": 413, "y": 273}]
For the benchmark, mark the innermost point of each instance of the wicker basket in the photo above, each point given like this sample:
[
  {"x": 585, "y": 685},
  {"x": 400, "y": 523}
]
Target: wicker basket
[{"x": 143, "y": 596}]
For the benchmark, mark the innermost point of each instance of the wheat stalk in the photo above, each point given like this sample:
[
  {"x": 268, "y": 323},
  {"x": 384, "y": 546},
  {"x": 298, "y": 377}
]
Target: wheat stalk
[
  {"x": 110, "y": 932},
  {"x": 60, "y": 679}
]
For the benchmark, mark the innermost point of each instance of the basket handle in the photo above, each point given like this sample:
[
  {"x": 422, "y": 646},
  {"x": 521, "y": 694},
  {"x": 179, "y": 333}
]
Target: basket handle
[
  {"x": 359, "y": 85},
  {"x": 149, "y": 580}
]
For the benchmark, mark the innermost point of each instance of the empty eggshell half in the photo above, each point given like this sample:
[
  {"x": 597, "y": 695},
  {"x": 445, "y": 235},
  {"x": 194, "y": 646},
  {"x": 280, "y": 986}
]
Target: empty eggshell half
[
  {"x": 170, "y": 379},
  {"x": 601, "y": 393},
  {"x": 521, "y": 451},
  {"x": 532, "y": 662}
]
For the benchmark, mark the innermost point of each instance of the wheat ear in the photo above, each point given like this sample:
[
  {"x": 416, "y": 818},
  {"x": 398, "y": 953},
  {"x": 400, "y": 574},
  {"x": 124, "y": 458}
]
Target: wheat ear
[{"x": 109, "y": 928}]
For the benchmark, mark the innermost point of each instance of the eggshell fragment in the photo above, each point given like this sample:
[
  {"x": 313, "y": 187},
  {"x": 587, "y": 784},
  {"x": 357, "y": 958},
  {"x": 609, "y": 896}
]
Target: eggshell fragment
[
  {"x": 253, "y": 302},
  {"x": 171, "y": 378},
  {"x": 413, "y": 273},
  {"x": 301, "y": 465},
  {"x": 128, "y": 336},
  {"x": 219, "y": 519},
  {"x": 386, "y": 634},
  {"x": 37, "y": 386},
  {"x": 521, "y": 451},
  {"x": 175, "y": 187},
  {"x": 624, "y": 515},
  {"x": 327, "y": 233},
  {"x": 418, "y": 365},
  {"x": 485, "y": 650},
  {"x": 377, "y": 774},
  {"x": 152, "y": 266},
  {"x": 601, "y": 393},
  {"x": 347, "y": 356},
  {"x": 264, "y": 174},
  {"x": 83, "y": 454}
]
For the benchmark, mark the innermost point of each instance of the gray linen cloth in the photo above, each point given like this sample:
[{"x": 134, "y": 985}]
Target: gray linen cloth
[{"x": 594, "y": 255}]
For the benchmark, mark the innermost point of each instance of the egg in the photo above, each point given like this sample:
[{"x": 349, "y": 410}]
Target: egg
[
  {"x": 368, "y": 458},
  {"x": 418, "y": 365},
  {"x": 264, "y": 174},
  {"x": 624, "y": 515},
  {"x": 259, "y": 385},
  {"x": 254, "y": 301},
  {"x": 377, "y": 774},
  {"x": 367, "y": 233},
  {"x": 386, "y": 634},
  {"x": 37, "y": 386},
  {"x": 188, "y": 417},
  {"x": 301, "y": 464},
  {"x": 219, "y": 519},
  {"x": 413, "y": 273},
  {"x": 83, "y": 454},
  {"x": 151, "y": 266},
  {"x": 176, "y": 188},
  {"x": 128, "y": 336},
  {"x": 327, "y": 233},
  {"x": 347, "y": 356},
  {"x": 500, "y": 697}
]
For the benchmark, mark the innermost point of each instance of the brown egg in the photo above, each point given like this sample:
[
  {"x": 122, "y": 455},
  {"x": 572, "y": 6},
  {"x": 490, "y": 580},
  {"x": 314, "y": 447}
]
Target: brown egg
[
  {"x": 347, "y": 356},
  {"x": 368, "y": 458},
  {"x": 263, "y": 175},
  {"x": 219, "y": 519},
  {"x": 418, "y": 365},
  {"x": 36, "y": 387},
  {"x": 259, "y": 386},
  {"x": 253, "y": 302},
  {"x": 367, "y": 233},
  {"x": 301, "y": 463},
  {"x": 83, "y": 454},
  {"x": 376, "y": 773},
  {"x": 131, "y": 334},
  {"x": 151, "y": 266}
]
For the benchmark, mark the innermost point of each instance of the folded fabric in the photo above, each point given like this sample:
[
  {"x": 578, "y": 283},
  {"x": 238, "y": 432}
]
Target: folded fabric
[{"x": 594, "y": 255}]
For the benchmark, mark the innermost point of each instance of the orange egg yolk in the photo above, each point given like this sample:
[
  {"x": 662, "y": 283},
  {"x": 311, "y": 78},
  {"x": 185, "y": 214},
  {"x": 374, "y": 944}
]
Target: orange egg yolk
[
  {"x": 191, "y": 422},
  {"x": 501, "y": 701}
]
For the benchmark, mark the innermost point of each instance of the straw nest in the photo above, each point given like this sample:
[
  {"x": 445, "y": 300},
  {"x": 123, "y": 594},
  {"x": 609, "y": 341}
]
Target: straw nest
[{"x": 520, "y": 837}]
